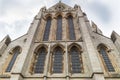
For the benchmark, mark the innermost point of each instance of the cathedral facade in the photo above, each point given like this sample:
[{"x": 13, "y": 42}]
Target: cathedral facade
[{"x": 61, "y": 44}]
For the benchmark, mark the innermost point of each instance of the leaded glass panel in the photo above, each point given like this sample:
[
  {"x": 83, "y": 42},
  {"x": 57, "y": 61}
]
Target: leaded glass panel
[
  {"x": 47, "y": 29},
  {"x": 106, "y": 60},
  {"x": 75, "y": 60},
  {"x": 15, "y": 54},
  {"x": 57, "y": 60},
  {"x": 39, "y": 66},
  {"x": 71, "y": 28},
  {"x": 59, "y": 28}
]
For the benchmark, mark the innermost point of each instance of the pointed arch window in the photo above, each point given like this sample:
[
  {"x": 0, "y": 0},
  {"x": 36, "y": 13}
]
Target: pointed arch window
[
  {"x": 15, "y": 53},
  {"x": 59, "y": 28},
  {"x": 57, "y": 60},
  {"x": 71, "y": 28},
  {"x": 106, "y": 59},
  {"x": 47, "y": 29},
  {"x": 75, "y": 60},
  {"x": 40, "y": 60}
]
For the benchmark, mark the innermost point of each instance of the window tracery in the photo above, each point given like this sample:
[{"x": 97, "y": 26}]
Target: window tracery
[
  {"x": 57, "y": 60},
  {"x": 47, "y": 29},
  {"x": 105, "y": 57},
  {"x": 15, "y": 53},
  {"x": 40, "y": 60},
  {"x": 75, "y": 60},
  {"x": 59, "y": 28},
  {"x": 71, "y": 28}
]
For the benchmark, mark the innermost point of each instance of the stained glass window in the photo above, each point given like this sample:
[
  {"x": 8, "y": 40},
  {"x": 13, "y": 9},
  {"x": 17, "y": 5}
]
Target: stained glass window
[
  {"x": 57, "y": 60},
  {"x": 75, "y": 59},
  {"x": 47, "y": 29},
  {"x": 15, "y": 54},
  {"x": 59, "y": 28},
  {"x": 39, "y": 65},
  {"x": 71, "y": 28},
  {"x": 106, "y": 60}
]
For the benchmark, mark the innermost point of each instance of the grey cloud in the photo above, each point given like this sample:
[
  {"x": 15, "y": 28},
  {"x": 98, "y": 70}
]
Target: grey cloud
[
  {"x": 7, "y": 4},
  {"x": 14, "y": 30},
  {"x": 21, "y": 13},
  {"x": 3, "y": 31},
  {"x": 20, "y": 28},
  {"x": 29, "y": 8},
  {"x": 101, "y": 10}
]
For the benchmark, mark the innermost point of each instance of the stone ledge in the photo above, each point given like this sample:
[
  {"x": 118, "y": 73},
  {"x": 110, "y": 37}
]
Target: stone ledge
[
  {"x": 5, "y": 76},
  {"x": 115, "y": 75}
]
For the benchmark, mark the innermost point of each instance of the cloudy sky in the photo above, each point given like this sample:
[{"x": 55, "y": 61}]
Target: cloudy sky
[{"x": 16, "y": 15}]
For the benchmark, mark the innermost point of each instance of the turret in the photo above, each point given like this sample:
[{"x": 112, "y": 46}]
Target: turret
[
  {"x": 95, "y": 28},
  {"x": 116, "y": 39},
  {"x": 4, "y": 43}
]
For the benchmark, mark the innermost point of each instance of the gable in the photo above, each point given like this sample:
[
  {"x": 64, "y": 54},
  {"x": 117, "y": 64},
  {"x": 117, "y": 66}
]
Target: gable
[{"x": 60, "y": 7}]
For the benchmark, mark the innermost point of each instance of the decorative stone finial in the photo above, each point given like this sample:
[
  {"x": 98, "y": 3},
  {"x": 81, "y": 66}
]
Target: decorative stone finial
[{"x": 60, "y": 1}]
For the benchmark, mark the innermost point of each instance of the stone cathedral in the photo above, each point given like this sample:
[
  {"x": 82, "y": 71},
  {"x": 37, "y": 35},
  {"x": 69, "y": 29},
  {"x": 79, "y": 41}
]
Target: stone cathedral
[{"x": 61, "y": 44}]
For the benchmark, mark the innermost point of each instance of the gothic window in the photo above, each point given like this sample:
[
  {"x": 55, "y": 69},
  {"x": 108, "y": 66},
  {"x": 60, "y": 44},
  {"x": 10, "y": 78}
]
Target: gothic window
[
  {"x": 71, "y": 28},
  {"x": 15, "y": 53},
  {"x": 59, "y": 28},
  {"x": 57, "y": 60},
  {"x": 106, "y": 59},
  {"x": 47, "y": 29},
  {"x": 40, "y": 60},
  {"x": 75, "y": 60}
]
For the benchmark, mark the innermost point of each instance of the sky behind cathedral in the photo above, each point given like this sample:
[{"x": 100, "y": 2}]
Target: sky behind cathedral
[{"x": 16, "y": 15}]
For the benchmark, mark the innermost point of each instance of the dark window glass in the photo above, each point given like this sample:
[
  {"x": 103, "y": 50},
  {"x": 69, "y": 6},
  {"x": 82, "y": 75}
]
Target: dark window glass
[
  {"x": 15, "y": 54},
  {"x": 75, "y": 60},
  {"x": 39, "y": 66},
  {"x": 71, "y": 28},
  {"x": 47, "y": 29},
  {"x": 59, "y": 28},
  {"x": 106, "y": 60},
  {"x": 57, "y": 60}
]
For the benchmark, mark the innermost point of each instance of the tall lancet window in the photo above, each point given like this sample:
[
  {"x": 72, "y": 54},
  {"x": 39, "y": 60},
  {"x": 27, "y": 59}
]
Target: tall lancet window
[
  {"x": 40, "y": 60},
  {"x": 57, "y": 60},
  {"x": 104, "y": 55},
  {"x": 71, "y": 28},
  {"x": 14, "y": 54},
  {"x": 47, "y": 29},
  {"x": 75, "y": 60},
  {"x": 59, "y": 28}
]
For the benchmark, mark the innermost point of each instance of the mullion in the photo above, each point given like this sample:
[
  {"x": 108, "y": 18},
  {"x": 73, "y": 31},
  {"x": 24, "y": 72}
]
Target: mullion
[
  {"x": 59, "y": 28},
  {"x": 57, "y": 63},
  {"x": 107, "y": 60},
  {"x": 39, "y": 66},
  {"x": 75, "y": 60},
  {"x": 47, "y": 29},
  {"x": 12, "y": 61},
  {"x": 71, "y": 28}
]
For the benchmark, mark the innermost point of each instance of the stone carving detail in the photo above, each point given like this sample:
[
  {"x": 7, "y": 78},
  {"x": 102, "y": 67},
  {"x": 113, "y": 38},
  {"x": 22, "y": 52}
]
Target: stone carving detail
[
  {"x": 43, "y": 9},
  {"x": 60, "y": 7},
  {"x": 76, "y": 7}
]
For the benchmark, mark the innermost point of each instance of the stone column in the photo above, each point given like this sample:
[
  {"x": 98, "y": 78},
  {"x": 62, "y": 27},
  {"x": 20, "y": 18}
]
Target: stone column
[
  {"x": 67, "y": 72},
  {"x": 20, "y": 65},
  {"x": 67, "y": 29},
  {"x": 47, "y": 61},
  {"x": 67, "y": 65},
  {"x": 98, "y": 77},
  {"x": 16, "y": 77},
  {"x": 76, "y": 28},
  {"x": 45, "y": 78},
  {"x": 40, "y": 31},
  {"x": 64, "y": 29},
  {"x": 53, "y": 30},
  {"x": 92, "y": 54}
]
